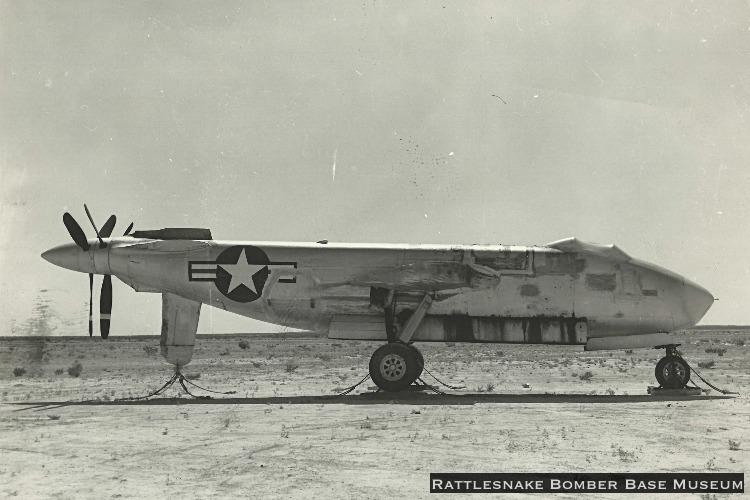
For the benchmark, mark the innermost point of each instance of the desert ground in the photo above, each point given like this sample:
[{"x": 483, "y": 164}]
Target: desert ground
[{"x": 66, "y": 433}]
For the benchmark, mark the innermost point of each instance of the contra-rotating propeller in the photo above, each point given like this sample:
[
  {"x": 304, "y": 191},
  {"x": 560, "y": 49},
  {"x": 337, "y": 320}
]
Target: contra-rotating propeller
[{"x": 105, "y": 298}]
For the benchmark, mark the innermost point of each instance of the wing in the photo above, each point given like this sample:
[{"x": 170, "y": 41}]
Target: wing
[{"x": 424, "y": 276}]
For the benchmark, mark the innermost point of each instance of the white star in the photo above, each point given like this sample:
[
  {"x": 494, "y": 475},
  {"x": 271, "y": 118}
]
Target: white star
[{"x": 242, "y": 273}]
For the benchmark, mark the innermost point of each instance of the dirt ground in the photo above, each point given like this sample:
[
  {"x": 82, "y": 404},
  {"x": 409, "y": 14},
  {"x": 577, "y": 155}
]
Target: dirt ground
[{"x": 285, "y": 434}]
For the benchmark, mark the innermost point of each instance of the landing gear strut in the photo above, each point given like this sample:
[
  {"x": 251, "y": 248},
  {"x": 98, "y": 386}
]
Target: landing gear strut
[{"x": 672, "y": 372}]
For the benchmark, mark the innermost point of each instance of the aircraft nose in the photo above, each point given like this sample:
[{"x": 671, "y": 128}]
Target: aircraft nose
[
  {"x": 64, "y": 256},
  {"x": 698, "y": 301}
]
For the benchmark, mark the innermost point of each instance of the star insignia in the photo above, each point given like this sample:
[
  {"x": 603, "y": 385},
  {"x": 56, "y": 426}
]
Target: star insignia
[{"x": 242, "y": 273}]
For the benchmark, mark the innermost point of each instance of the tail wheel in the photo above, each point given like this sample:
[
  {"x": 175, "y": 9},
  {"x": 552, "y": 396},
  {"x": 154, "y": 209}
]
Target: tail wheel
[
  {"x": 672, "y": 372},
  {"x": 394, "y": 367}
]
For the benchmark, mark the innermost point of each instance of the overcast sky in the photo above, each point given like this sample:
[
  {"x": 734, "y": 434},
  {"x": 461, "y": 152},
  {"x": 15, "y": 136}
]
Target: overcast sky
[{"x": 495, "y": 122}]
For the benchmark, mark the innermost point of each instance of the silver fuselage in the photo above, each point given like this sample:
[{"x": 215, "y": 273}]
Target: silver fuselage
[{"x": 566, "y": 293}]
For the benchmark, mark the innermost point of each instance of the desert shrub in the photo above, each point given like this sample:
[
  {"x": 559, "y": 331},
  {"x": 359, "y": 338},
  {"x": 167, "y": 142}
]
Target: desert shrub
[
  {"x": 225, "y": 352},
  {"x": 610, "y": 392},
  {"x": 734, "y": 445},
  {"x": 19, "y": 371},
  {"x": 291, "y": 366},
  {"x": 243, "y": 344},
  {"x": 628, "y": 351},
  {"x": 739, "y": 342},
  {"x": 716, "y": 350},
  {"x": 193, "y": 376},
  {"x": 59, "y": 371},
  {"x": 625, "y": 456},
  {"x": 150, "y": 350},
  {"x": 323, "y": 357},
  {"x": 75, "y": 370},
  {"x": 706, "y": 364},
  {"x": 490, "y": 387},
  {"x": 586, "y": 376}
]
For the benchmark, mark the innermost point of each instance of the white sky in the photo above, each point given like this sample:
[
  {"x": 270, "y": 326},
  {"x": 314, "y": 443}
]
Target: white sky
[{"x": 616, "y": 122}]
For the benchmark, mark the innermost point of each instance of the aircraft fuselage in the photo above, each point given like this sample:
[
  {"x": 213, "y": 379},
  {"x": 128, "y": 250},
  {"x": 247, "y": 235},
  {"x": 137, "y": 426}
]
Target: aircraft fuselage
[{"x": 568, "y": 292}]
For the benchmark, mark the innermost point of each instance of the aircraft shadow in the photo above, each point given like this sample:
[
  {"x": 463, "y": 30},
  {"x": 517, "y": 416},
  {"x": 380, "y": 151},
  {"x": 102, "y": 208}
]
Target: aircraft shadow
[{"x": 377, "y": 398}]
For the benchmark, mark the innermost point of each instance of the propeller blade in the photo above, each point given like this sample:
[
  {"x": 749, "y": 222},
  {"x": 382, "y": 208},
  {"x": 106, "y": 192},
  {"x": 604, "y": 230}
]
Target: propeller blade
[
  {"x": 91, "y": 306},
  {"x": 127, "y": 231},
  {"x": 91, "y": 219},
  {"x": 75, "y": 231},
  {"x": 108, "y": 226},
  {"x": 105, "y": 305}
]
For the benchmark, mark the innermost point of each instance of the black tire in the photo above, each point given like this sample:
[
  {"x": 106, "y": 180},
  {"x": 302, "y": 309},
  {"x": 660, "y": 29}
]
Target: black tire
[
  {"x": 394, "y": 367},
  {"x": 672, "y": 372},
  {"x": 420, "y": 360}
]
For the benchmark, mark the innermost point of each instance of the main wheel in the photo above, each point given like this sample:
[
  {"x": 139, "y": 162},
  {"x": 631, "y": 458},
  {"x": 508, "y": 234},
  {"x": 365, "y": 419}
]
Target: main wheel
[
  {"x": 394, "y": 367},
  {"x": 420, "y": 360},
  {"x": 672, "y": 372}
]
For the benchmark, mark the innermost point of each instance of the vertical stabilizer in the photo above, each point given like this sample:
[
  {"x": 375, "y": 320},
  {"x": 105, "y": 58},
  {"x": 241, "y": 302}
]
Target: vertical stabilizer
[{"x": 179, "y": 323}]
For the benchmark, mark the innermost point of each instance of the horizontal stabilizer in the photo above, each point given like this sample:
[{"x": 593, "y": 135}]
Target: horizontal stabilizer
[{"x": 612, "y": 252}]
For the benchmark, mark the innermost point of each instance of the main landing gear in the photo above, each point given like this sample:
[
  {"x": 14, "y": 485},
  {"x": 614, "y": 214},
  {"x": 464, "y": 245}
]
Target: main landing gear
[
  {"x": 398, "y": 364},
  {"x": 672, "y": 372}
]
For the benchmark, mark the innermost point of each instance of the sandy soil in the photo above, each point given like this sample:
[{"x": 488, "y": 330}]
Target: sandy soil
[{"x": 285, "y": 434}]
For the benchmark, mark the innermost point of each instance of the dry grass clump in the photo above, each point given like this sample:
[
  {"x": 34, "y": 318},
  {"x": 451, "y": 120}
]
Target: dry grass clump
[
  {"x": 291, "y": 366},
  {"x": 75, "y": 370},
  {"x": 625, "y": 456}
]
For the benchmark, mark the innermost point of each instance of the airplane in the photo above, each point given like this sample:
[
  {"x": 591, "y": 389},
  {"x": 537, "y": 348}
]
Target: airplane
[{"x": 568, "y": 292}]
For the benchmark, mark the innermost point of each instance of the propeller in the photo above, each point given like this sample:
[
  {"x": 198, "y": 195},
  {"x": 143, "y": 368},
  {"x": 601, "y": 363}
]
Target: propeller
[
  {"x": 91, "y": 305},
  {"x": 105, "y": 297},
  {"x": 108, "y": 226},
  {"x": 91, "y": 219},
  {"x": 75, "y": 231},
  {"x": 105, "y": 306}
]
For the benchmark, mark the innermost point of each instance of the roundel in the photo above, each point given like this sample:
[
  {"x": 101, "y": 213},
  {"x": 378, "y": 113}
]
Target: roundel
[{"x": 241, "y": 273}]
